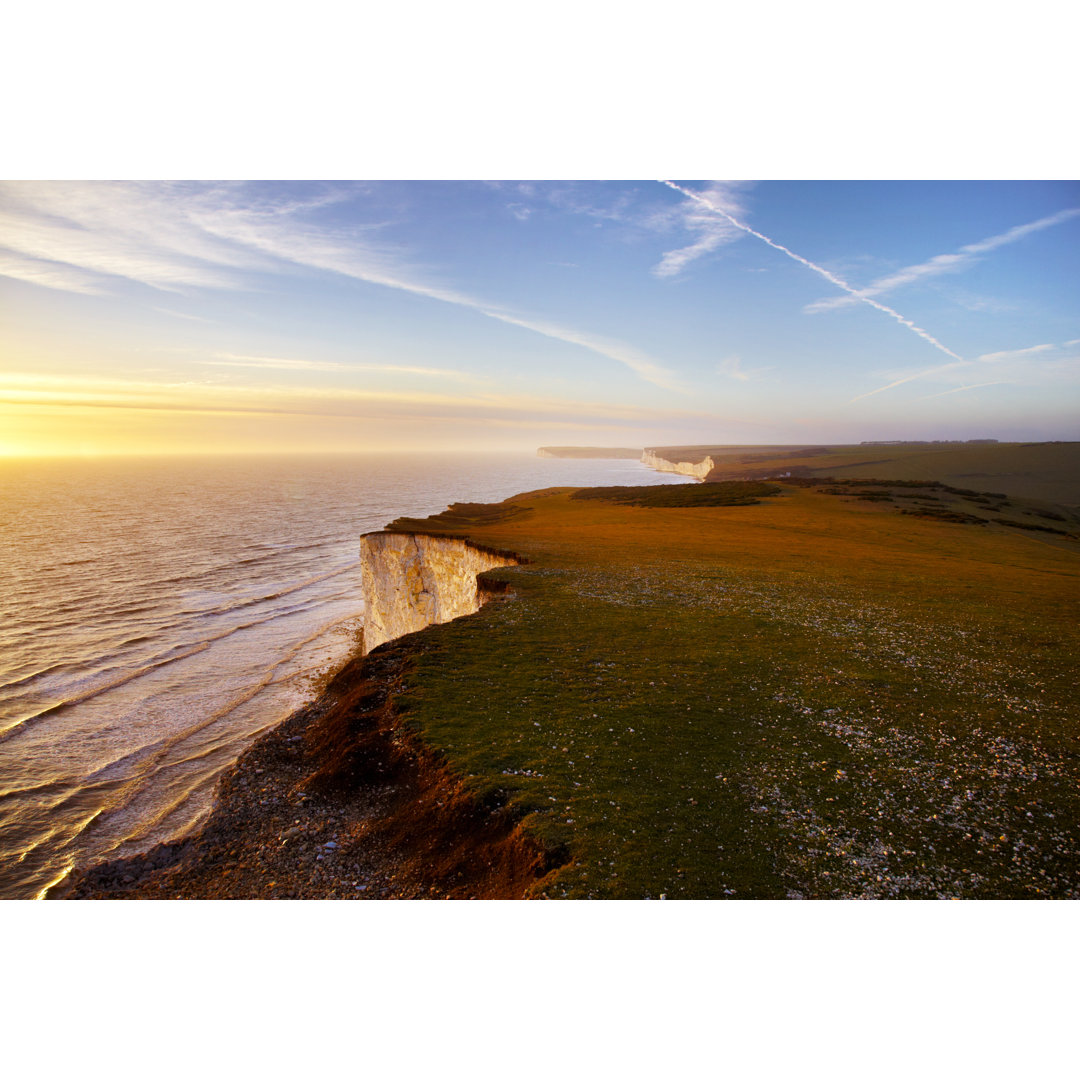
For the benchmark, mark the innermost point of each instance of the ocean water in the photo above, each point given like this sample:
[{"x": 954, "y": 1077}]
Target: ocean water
[{"x": 157, "y": 615}]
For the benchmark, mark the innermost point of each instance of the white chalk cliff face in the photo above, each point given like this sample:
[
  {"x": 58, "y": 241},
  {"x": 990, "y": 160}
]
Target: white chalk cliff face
[
  {"x": 700, "y": 469},
  {"x": 412, "y": 581}
]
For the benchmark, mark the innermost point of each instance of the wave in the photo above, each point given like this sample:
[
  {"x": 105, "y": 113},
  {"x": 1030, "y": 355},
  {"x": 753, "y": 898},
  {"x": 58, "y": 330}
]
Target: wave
[
  {"x": 40, "y": 788},
  {"x": 94, "y": 691},
  {"x": 41, "y": 673},
  {"x": 152, "y": 589},
  {"x": 57, "y": 626},
  {"x": 150, "y": 761},
  {"x": 287, "y": 591},
  {"x": 79, "y": 612},
  {"x": 222, "y": 568},
  {"x": 174, "y": 653},
  {"x": 150, "y": 765}
]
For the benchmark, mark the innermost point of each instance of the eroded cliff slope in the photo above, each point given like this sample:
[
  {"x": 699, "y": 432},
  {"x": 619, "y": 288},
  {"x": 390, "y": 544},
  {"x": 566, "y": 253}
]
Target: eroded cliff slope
[{"x": 411, "y": 581}]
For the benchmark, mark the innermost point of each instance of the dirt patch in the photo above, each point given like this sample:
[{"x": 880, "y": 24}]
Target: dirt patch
[{"x": 338, "y": 802}]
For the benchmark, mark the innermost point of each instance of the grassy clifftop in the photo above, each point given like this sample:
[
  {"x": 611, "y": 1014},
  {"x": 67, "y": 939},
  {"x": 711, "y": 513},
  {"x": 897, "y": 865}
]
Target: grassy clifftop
[
  {"x": 1049, "y": 471},
  {"x": 808, "y": 695}
]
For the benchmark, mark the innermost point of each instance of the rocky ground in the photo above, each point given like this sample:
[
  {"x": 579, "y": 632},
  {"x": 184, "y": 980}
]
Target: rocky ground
[
  {"x": 282, "y": 828},
  {"x": 267, "y": 838}
]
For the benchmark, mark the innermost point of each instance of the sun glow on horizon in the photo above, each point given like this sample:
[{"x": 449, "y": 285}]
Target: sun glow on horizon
[
  {"x": 74, "y": 429},
  {"x": 156, "y": 318}
]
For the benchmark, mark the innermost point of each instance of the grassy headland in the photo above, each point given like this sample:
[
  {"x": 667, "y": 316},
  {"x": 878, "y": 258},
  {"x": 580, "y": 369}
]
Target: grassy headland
[
  {"x": 793, "y": 689},
  {"x": 807, "y": 696}
]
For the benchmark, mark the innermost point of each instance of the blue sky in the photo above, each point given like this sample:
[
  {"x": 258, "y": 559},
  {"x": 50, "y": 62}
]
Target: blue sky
[{"x": 174, "y": 317}]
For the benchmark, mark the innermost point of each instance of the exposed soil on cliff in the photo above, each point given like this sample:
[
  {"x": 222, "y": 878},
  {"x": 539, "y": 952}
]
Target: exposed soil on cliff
[{"x": 338, "y": 802}]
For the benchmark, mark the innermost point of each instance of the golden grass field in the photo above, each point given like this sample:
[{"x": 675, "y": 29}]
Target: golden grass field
[{"x": 813, "y": 696}]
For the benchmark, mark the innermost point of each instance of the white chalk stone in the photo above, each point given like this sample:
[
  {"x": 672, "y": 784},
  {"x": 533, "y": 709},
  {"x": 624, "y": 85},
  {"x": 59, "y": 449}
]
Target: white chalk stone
[{"x": 412, "y": 581}]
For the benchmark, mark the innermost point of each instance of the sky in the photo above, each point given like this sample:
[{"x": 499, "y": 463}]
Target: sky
[{"x": 202, "y": 317}]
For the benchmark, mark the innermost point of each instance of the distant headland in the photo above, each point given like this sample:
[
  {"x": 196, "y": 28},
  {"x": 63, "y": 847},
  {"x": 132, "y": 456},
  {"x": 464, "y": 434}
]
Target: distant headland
[{"x": 588, "y": 452}]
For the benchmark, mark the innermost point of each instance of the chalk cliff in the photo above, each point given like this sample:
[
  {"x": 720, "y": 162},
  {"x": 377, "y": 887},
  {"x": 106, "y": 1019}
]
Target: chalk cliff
[
  {"x": 411, "y": 581},
  {"x": 700, "y": 469}
]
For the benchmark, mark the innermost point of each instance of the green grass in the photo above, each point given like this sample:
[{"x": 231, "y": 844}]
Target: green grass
[
  {"x": 805, "y": 697},
  {"x": 942, "y": 502},
  {"x": 459, "y": 516},
  {"x": 734, "y": 493}
]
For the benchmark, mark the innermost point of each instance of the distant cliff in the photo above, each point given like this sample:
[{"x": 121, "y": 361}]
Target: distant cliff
[
  {"x": 700, "y": 469},
  {"x": 412, "y": 581}
]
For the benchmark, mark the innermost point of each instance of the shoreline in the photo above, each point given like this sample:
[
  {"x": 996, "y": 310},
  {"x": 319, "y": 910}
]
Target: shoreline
[
  {"x": 338, "y": 801},
  {"x": 173, "y": 858}
]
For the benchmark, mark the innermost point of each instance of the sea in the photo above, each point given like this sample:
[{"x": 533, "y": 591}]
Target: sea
[{"x": 157, "y": 615}]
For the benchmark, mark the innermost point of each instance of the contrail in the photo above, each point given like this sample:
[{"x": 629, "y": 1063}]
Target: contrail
[
  {"x": 838, "y": 282},
  {"x": 957, "y": 389},
  {"x": 941, "y": 264},
  {"x": 912, "y": 378}
]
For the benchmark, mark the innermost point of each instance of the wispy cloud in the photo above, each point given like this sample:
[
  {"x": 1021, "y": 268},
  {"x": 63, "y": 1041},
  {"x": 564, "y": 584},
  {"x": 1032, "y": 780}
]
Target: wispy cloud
[
  {"x": 571, "y": 198},
  {"x": 34, "y": 390},
  {"x": 408, "y": 369},
  {"x": 274, "y": 362},
  {"x": 182, "y": 315},
  {"x": 285, "y": 364},
  {"x": 141, "y": 232},
  {"x": 637, "y": 361},
  {"x": 828, "y": 275},
  {"x": 951, "y": 263},
  {"x": 326, "y": 254},
  {"x": 48, "y": 274},
  {"x": 712, "y": 231},
  {"x": 731, "y": 366},
  {"x": 80, "y": 236}
]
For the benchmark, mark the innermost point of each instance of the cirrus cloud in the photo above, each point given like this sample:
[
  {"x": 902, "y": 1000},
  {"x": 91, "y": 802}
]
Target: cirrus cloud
[{"x": 83, "y": 237}]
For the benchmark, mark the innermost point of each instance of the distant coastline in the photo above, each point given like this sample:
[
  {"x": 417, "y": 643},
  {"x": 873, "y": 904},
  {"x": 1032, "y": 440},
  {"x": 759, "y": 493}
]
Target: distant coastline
[{"x": 588, "y": 452}]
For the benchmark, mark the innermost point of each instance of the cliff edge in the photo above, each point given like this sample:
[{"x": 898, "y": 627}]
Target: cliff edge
[
  {"x": 411, "y": 581},
  {"x": 698, "y": 469}
]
